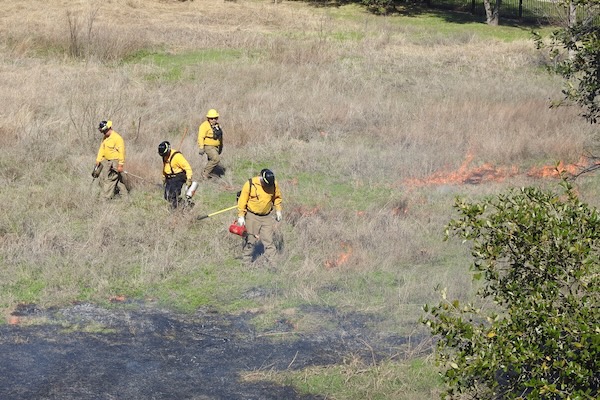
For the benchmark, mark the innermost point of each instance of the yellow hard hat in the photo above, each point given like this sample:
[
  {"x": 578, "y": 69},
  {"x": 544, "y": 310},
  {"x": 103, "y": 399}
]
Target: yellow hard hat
[{"x": 212, "y": 113}]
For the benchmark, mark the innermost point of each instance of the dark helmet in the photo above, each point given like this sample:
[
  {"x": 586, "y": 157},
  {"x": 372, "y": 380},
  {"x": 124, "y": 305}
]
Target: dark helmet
[
  {"x": 104, "y": 126},
  {"x": 164, "y": 148},
  {"x": 268, "y": 177}
]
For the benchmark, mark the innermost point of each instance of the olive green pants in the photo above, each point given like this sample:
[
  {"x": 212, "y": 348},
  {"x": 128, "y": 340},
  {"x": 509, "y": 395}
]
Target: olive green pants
[
  {"x": 111, "y": 179},
  {"x": 259, "y": 227},
  {"x": 214, "y": 158}
]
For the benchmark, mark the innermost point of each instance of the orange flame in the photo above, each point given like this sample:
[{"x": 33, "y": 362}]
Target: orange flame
[
  {"x": 400, "y": 210},
  {"x": 487, "y": 172},
  {"x": 305, "y": 211},
  {"x": 465, "y": 174},
  {"x": 342, "y": 258},
  {"x": 554, "y": 171}
]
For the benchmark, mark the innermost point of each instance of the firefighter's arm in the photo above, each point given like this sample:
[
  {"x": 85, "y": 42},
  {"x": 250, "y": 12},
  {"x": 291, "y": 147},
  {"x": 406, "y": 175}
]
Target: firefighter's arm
[
  {"x": 121, "y": 150},
  {"x": 277, "y": 198}
]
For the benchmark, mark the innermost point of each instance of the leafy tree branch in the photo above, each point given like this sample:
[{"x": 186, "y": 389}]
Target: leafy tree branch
[{"x": 537, "y": 255}]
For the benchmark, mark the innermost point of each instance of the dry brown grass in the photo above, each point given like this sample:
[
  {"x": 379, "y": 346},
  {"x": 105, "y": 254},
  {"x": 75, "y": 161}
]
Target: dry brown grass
[
  {"x": 345, "y": 110},
  {"x": 353, "y": 112}
]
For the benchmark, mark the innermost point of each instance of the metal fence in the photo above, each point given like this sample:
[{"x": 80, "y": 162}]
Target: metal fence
[{"x": 544, "y": 11}]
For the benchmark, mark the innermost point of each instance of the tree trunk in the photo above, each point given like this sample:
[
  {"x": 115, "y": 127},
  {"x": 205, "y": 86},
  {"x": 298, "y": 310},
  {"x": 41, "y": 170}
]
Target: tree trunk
[
  {"x": 572, "y": 21},
  {"x": 492, "y": 12}
]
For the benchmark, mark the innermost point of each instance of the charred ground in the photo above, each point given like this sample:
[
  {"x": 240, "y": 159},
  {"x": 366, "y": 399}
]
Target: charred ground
[{"x": 141, "y": 352}]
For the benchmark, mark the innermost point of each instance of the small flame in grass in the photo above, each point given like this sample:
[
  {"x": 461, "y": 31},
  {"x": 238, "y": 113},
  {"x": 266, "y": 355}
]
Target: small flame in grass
[
  {"x": 487, "y": 172},
  {"x": 117, "y": 299},
  {"x": 554, "y": 171},
  {"x": 400, "y": 208},
  {"x": 467, "y": 174},
  {"x": 341, "y": 259},
  {"x": 397, "y": 211}
]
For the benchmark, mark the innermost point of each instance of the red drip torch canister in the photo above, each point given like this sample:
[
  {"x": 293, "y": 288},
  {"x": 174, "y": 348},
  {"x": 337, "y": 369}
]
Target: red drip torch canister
[{"x": 238, "y": 230}]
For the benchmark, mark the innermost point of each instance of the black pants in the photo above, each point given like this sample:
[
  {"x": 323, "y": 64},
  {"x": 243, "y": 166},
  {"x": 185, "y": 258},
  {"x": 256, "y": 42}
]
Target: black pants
[{"x": 173, "y": 187}]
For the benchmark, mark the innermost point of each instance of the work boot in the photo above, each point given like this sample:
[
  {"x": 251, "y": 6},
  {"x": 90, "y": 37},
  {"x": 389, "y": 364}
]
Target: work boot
[
  {"x": 262, "y": 262},
  {"x": 188, "y": 204}
]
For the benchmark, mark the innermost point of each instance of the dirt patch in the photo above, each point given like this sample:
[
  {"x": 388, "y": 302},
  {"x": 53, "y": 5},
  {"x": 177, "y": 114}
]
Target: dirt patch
[{"x": 88, "y": 352}]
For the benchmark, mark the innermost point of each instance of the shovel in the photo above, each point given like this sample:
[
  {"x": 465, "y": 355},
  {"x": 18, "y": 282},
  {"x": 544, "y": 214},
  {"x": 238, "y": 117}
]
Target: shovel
[{"x": 216, "y": 212}]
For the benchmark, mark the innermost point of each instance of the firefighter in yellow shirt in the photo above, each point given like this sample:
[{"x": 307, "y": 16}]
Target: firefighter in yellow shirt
[
  {"x": 259, "y": 196},
  {"x": 110, "y": 160},
  {"x": 210, "y": 142},
  {"x": 176, "y": 172}
]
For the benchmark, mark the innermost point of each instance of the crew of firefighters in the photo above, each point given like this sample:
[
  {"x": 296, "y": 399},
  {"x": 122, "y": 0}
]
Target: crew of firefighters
[{"x": 259, "y": 201}]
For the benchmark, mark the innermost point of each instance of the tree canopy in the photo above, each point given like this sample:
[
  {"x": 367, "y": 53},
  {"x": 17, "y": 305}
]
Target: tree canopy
[{"x": 576, "y": 51}]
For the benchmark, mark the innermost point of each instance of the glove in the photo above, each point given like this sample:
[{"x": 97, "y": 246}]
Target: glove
[
  {"x": 97, "y": 170},
  {"x": 120, "y": 168},
  {"x": 201, "y": 151},
  {"x": 188, "y": 183},
  {"x": 164, "y": 180},
  {"x": 241, "y": 221},
  {"x": 277, "y": 215}
]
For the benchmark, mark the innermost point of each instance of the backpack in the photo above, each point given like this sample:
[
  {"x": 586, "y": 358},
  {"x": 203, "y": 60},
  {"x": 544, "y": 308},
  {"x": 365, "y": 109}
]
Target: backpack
[
  {"x": 173, "y": 174},
  {"x": 217, "y": 132},
  {"x": 250, "y": 191}
]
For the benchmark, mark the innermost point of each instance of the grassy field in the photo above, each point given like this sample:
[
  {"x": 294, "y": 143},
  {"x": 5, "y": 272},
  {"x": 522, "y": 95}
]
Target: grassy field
[{"x": 372, "y": 125}]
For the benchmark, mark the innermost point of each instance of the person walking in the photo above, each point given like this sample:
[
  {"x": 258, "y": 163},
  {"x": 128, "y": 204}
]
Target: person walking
[
  {"x": 176, "y": 172},
  {"x": 110, "y": 159},
  {"x": 210, "y": 142},
  {"x": 259, "y": 196}
]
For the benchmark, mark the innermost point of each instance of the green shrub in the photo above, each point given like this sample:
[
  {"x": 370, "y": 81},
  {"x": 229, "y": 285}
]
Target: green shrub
[
  {"x": 380, "y": 7},
  {"x": 538, "y": 334}
]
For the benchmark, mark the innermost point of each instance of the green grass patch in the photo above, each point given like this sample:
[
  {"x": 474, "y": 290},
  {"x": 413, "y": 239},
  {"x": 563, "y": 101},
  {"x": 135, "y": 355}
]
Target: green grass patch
[
  {"x": 222, "y": 200},
  {"x": 435, "y": 25},
  {"x": 125, "y": 287},
  {"x": 335, "y": 191},
  {"x": 222, "y": 287},
  {"x": 354, "y": 379},
  {"x": 85, "y": 293},
  {"x": 347, "y": 290},
  {"x": 189, "y": 291},
  {"x": 348, "y": 36},
  {"x": 167, "y": 59},
  {"x": 27, "y": 289},
  {"x": 173, "y": 65},
  {"x": 248, "y": 168},
  {"x": 429, "y": 24},
  {"x": 266, "y": 321}
]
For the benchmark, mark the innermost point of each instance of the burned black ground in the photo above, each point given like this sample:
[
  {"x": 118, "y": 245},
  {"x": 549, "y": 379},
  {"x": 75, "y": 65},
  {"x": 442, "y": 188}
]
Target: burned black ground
[{"x": 141, "y": 352}]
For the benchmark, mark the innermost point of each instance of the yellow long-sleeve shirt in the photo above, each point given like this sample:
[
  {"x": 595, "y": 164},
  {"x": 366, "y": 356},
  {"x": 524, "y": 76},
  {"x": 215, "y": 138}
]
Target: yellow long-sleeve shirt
[
  {"x": 206, "y": 136},
  {"x": 258, "y": 199},
  {"x": 112, "y": 148},
  {"x": 177, "y": 163}
]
